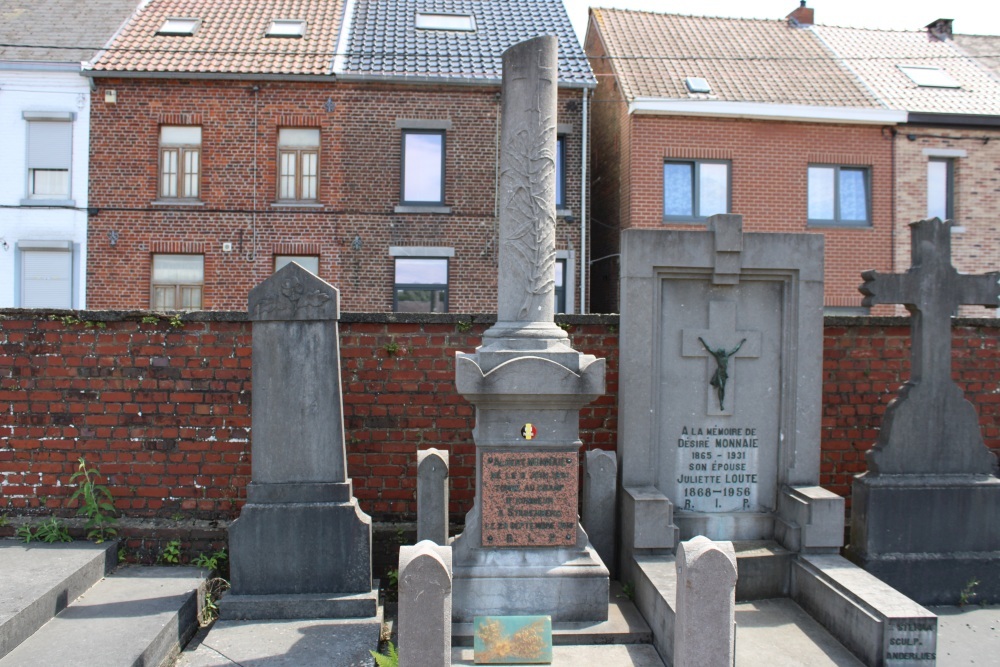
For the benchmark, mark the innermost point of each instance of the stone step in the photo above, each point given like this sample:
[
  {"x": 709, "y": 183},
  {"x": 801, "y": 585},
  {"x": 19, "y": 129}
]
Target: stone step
[
  {"x": 136, "y": 616},
  {"x": 624, "y": 626},
  {"x": 40, "y": 580},
  {"x": 764, "y": 568}
]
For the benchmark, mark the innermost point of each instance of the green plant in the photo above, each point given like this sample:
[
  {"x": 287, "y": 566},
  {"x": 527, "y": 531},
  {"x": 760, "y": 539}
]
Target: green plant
[
  {"x": 210, "y": 562},
  {"x": 89, "y": 324},
  {"x": 390, "y": 659},
  {"x": 968, "y": 593},
  {"x": 171, "y": 553},
  {"x": 393, "y": 577},
  {"x": 96, "y": 503},
  {"x": 628, "y": 590},
  {"x": 149, "y": 319},
  {"x": 122, "y": 554},
  {"x": 214, "y": 588},
  {"x": 392, "y": 348},
  {"x": 68, "y": 320},
  {"x": 24, "y": 533},
  {"x": 52, "y": 530},
  {"x": 175, "y": 321},
  {"x": 563, "y": 326},
  {"x": 4, "y": 521},
  {"x": 463, "y": 326}
]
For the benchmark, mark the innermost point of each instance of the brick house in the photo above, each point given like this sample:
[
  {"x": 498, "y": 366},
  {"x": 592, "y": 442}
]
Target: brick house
[
  {"x": 45, "y": 121},
  {"x": 799, "y": 128},
  {"x": 358, "y": 138}
]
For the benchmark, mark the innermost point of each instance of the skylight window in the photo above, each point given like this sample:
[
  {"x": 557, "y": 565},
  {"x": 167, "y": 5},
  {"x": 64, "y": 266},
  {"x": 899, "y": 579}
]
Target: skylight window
[
  {"x": 464, "y": 22},
  {"x": 929, "y": 77},
  {"x": 696, "y": 84},
  {"x": 179, "y": 26},
  {"x": 287, "y": 28}
]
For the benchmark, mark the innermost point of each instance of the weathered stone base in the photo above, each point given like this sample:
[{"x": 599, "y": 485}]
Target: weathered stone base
[
  {"x": 271, "y": 607},
  {"x": 929, "y": 536},
  {"x": 516, "y": 582},
  {"x": 318, "y": 548}
]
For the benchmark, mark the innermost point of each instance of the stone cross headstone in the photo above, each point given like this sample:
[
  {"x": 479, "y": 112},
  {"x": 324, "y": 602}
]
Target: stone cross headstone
[
  {"x": 425, "y": 605},
  {"x": 432, "y": 496},
  {"x": 925, "y": 518},
  {"x": 523, "y": 551},
  {"x": 704, "y": 629},
  {"x": 301, "y": 547}
]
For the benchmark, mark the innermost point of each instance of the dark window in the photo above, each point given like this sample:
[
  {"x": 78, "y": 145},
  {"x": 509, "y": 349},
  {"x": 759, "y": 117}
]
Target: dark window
[
  {"x": 560, "y": 172},
  {"x": 940, "y": 188},
  {"x": 695, "y": 189},
  {"x": 423, "y": 167},
  {"x": 560, "y": 291},
  {"x": 839, "y": 195},
  {"x": 421, "y": 285}
]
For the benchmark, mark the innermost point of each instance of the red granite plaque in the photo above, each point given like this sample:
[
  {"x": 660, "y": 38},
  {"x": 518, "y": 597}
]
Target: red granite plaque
[{"x": 529, "y": 498}]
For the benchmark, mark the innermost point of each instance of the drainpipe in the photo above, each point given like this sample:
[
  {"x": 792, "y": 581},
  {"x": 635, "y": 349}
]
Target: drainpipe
[{"x": 583, "y": 211}]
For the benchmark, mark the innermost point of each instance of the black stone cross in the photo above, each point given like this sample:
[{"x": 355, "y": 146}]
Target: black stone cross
[{"x": 930, "y": 428}]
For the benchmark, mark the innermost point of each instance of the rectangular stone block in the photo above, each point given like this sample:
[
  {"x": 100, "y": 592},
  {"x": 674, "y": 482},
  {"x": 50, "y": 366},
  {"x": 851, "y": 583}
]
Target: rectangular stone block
[
  {"x": 810, "y": 518},
  {"x": 425, "y": 597},
  {"x": 598, "y": 511}
]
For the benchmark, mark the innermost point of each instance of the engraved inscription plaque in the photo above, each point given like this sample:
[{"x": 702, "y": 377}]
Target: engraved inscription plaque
[{"x": 529, "y": 499}]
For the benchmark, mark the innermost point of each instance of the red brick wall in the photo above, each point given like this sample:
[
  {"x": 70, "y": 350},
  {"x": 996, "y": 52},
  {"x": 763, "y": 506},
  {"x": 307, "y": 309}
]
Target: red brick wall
[
  {"x": 164, "y": 412},
  {"x": 359, "y": 187}
]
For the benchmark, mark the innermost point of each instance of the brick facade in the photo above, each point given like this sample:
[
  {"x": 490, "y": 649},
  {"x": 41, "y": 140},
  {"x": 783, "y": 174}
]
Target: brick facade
[
  {"x": 768, "y": 181},
  {"x": 164, "y": 412},
  {"x": 975, "y": 156},
  {"x": 354, "y": 222}
]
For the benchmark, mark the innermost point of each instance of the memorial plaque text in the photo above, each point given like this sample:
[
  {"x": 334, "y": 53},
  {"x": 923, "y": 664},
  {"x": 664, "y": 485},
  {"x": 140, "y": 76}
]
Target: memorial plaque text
[{"x": 717, "y": 468}]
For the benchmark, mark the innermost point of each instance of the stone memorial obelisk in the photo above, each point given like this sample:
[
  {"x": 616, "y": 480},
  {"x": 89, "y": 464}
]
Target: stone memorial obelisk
[
  {"x": 523, "y": 550},
  {"x": 301, "y": 547}
]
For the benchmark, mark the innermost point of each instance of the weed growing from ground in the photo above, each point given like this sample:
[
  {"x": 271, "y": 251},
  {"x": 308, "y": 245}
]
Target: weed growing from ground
[
  {"x": 171, "y": 553},
  {"x": 96, "y": 503}
]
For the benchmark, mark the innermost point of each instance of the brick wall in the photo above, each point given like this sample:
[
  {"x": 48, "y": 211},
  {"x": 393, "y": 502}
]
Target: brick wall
[
  {"x": 164, "y": 412},
  {"x": 354, "y": 223}
]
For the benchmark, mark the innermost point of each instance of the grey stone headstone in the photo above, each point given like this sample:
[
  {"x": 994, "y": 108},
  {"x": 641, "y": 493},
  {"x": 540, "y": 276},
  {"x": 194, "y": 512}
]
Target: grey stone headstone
[
  {"x": 301, "y": 544},
  {"x": 425, "y": 572},
  {"x": 704, "y": 628},
  {"x": 432, "y": 496},
  {"x": 598, "y": 508}
]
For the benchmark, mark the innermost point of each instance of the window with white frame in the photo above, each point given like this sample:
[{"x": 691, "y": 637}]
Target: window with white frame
[
  {"x": 298, "y": 164},
  {"x": 308, "y": 262},
  {"x": 421, "y": 285},
  {"x": 49, "y": 155},
  {"x": 180, "y": 162},
  {"x": 177, "y": 282},
  {"x": 560, "y": 290},
  {"x": 940, "y": 188},
  {"x": 693, "y": 190},
  {"x": 560, "y": 172},
  {"x": 839, "y": 195},
  {"x": 423, "y": 167}
]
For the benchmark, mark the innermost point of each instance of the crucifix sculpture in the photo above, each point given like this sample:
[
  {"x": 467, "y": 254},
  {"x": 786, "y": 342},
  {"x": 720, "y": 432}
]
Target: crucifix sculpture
[{"x": 930, "y": 427}]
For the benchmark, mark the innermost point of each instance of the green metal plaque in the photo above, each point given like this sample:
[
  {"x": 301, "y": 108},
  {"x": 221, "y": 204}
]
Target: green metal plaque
[{"x": 513, "y": 640}]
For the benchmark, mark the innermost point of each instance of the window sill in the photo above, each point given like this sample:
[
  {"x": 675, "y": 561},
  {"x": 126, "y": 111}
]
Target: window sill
[
  {"x": 403, "y": 208},
  {"x": 177, "y": 202},
  {"x": 564, "y": 213},
  {"x": 296, "y": 204},
  {"x": 60, "y": 203},
  {"x": 684, "y": 221},
  {"x": 834, "y": 224}
]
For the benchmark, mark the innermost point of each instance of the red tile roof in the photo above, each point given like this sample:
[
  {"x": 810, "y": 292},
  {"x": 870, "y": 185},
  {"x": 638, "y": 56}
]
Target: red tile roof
[
  {"x": 744, "y": 60},
  {"x": 230, "y": 38}
]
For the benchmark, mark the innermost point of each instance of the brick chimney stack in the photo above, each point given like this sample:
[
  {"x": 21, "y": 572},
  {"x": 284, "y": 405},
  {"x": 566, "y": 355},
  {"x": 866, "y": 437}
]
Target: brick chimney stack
[
  {"x": 939, "y": 29},
  {"x": 802, "y": 16}
]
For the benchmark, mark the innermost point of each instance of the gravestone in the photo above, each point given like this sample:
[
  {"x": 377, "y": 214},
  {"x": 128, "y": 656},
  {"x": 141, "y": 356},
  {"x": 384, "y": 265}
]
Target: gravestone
[
  {"x": 719, "y": 430},
  {"x": 425, "y": 605},
  {"x": 926, "y": 516},
  {"x": 523, "y": 551},
  {"x": 705, "y": 632},
  {"x": 432, "y": 496},
  {"x": 598, "y": 511},
  {"x": 301, "y": 547}
]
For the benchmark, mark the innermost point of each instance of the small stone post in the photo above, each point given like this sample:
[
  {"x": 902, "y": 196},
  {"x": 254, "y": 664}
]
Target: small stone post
[
  {"x": 425, "y": 605},
  {"x": 597, "y": 511},
  {"x": 704, "y": 630},
  {"x": 432, "y": 496}
]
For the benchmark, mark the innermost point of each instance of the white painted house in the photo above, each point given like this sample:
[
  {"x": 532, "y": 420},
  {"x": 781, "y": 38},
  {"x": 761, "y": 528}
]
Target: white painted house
[{"x": 44, "y": 146}]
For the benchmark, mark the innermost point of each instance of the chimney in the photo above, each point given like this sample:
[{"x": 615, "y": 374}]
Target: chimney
[
  {"x": 939, "y": 29},
  {"x": 802, "y": 16}
]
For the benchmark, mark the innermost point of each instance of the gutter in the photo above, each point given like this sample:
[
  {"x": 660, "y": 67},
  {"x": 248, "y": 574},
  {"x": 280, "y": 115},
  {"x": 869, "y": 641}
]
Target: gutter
[
  {"x": 765, "y": 111},
  {"x": 953, "y": 119},
  {"x": 583, "y": 209}
]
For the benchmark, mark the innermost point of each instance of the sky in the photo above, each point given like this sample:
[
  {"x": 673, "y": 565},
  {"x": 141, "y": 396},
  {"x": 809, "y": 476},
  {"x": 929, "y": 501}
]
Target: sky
[{"x": 974, "y": 17}]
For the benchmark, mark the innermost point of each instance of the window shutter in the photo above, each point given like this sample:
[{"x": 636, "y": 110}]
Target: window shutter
[
  {"x": 50, "y": 145},
  {"x": 47, "y": 279}
]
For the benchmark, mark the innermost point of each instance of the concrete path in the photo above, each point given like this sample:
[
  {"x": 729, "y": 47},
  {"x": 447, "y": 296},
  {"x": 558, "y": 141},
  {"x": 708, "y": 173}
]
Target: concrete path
[
  {"x": 968, "y": 635},
  {"x": 779, "y": 633}
]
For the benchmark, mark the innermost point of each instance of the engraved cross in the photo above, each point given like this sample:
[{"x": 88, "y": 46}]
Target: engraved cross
[{"x": 721, "y": 334}]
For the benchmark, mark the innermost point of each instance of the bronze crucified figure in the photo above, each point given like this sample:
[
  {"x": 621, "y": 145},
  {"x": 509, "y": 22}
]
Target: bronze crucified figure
[{"x": 721, "y": 374}]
